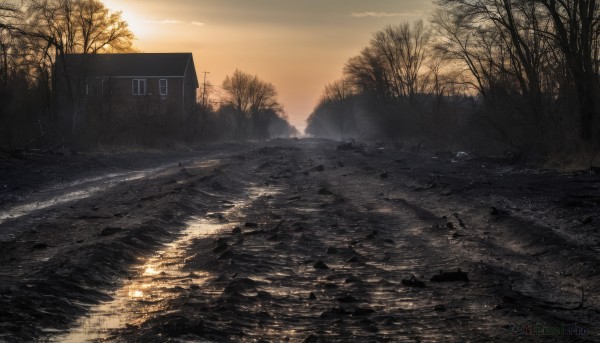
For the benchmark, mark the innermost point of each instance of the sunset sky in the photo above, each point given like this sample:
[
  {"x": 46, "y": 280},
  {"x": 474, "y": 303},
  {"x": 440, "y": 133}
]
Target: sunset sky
[{"x": 298, "y": 45}]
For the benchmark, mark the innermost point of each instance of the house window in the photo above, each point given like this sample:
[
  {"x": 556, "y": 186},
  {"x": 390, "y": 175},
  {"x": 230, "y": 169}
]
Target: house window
[
  {"x": 88, "y": 87},
  {"x": 163, "y": 86},
  {"x": 138, "y": 86}
]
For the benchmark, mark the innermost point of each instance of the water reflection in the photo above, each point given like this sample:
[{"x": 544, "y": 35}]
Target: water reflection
[
  {"x": 85, "y": 188},
  {"x": 158, "y": 280},
  {"x": 150, "y": 286}
]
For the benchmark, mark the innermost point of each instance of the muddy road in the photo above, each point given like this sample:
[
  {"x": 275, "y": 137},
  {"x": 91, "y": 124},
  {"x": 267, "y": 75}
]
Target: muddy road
[{"x": 300, "y": 241}]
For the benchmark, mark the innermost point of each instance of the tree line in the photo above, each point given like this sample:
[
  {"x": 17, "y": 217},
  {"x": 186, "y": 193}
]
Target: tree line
[
  {"x": 247, "y": 109},
  {"x": 36, "y": 35},
  {"x": 484, "y": 74}
]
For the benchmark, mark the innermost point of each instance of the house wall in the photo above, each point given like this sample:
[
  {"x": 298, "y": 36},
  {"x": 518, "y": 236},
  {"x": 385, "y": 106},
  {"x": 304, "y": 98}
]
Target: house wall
[
  {"x": 190, "y": 92},
  {"x": 114, "y": 96},
  {"x": 104, "y": 110}
]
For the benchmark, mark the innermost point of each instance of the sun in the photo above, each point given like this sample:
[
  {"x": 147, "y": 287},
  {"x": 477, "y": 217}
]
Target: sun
[{"x": 137, "y": 24}]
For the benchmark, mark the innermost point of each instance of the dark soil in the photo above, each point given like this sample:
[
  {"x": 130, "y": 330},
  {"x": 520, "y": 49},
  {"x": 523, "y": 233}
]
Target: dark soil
[{"x": 320, "y": 242}]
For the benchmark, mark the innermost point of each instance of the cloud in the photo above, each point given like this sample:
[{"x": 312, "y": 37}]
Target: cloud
[
  {"x": 197, "y": 23},
  {"x": 165, "y": 22},
  {"x": 372, "y": 14}
]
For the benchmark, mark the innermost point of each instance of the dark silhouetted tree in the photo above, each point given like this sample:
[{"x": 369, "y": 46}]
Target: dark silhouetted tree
[{"x": 251, "y": 98}]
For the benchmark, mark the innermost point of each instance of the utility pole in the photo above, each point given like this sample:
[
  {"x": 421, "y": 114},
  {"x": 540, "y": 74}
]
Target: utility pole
[
  {"x": 204, "y": 93},
  {"x": 204, "y": 104}
]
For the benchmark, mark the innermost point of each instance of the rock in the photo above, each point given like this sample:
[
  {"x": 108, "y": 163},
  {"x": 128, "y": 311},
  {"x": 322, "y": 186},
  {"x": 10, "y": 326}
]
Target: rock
[
  {"x": 332, "y": 250},
  {"x": 372, "y": 234},
  {"x": 494, "y": 211},
  {"x": 450, "y": 226},
  {"x": 347, "y": 299},
  {"x": 413, "y": 282},
  {"x": 39, "y": 246},
  {"x": 320, "y": 265},
  {"x": 384, "y": 175},
  {"x": 461, "y": 223},
  {"x": 109, "y": 231},
  {"x": 352, "y": 279},
  {"x": 439, "y": 307},
  {"x": 236, "y": 230},
  {"x": 227, "y": 254},
  {"x": 312, "y": 296},
  {"x": 251, "y": 225},
  {"x": 222, "y": 246},
  {"x": 458, "y": 275},
  {"x": 325, "y": 191}
]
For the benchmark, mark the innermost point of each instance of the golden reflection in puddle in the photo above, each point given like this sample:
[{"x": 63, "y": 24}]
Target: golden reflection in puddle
[
  {"x": 158, "y": 280},
  {"x": 150, "y": 271},
  {"x": 155, "y": 282},
  {"x": 136, "y": 294}
]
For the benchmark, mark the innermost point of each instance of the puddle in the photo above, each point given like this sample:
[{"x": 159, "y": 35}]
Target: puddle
[
  {"x": 158, "y": 279},
  {"x": 84, "y": 188}
]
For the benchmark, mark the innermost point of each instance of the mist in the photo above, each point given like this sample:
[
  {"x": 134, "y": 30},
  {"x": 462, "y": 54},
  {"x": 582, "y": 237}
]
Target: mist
[{"x": 446, "y": 186}]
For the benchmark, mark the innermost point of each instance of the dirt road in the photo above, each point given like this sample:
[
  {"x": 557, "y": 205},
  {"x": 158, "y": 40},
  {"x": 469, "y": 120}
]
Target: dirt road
[{"x": 300, "y": 241}]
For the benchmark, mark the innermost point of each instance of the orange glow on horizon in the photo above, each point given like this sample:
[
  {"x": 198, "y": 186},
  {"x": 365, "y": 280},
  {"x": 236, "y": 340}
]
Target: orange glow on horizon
[{"x": 297, "y": 46}]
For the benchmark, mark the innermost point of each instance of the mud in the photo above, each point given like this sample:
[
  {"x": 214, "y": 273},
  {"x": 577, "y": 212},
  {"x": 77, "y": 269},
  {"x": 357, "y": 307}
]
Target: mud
[{"x": 300, "y": 241}]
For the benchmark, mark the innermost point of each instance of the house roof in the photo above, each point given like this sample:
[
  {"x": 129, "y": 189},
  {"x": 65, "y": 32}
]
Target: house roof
[{"x": 134, "y": 64}]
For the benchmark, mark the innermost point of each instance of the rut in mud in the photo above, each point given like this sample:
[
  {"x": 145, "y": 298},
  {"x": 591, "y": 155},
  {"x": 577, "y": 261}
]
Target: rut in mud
[{"x": 305, "y": 240}]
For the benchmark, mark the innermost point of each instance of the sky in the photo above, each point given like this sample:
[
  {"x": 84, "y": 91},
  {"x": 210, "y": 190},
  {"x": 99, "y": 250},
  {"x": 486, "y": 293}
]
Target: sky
[{"x": 297, "y": 45}]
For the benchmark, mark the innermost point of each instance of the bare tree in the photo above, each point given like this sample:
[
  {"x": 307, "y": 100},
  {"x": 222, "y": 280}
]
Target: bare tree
[
  {"x": 540, "y": 39},
  {"x": 100, "y": 29},
  {"x": 58, "y": 27},
  {"x": 251, "y": 98},
  {"x": 392, "y": 63},
  {"x": 339, "y": 93},
  {"x": 576, "y": 28},
  {"x": 78, "y": 26},
  {"x": 391, "y": 72},
  {"x": 9, "y": 13}
]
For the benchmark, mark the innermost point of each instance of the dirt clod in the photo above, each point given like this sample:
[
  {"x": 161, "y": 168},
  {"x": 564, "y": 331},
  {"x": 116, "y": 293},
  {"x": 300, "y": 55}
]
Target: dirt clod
[
  {"x": 456, "y": 276},
  {"x": 413, "y": 282},
  {"x": 320, "y": 265}
]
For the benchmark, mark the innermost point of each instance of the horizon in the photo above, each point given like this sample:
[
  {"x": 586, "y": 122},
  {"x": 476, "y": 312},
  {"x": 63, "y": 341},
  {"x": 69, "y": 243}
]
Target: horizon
[{"x": 299, "y": 48}]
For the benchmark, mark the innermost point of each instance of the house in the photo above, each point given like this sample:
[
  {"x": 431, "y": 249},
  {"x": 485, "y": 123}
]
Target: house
[{"x": 131, "y": 91}]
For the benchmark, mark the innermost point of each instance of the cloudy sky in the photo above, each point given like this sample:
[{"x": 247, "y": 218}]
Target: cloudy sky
[{"x": 298, "y": 45}]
